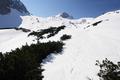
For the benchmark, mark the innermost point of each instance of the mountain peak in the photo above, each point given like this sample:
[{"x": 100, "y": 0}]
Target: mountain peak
[
  {"x": 7, "y": 5},
  {"x": 64, "y": 15}
]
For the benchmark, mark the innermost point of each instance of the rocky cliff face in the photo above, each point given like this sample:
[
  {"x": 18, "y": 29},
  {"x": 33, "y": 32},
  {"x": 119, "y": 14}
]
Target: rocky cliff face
[
  {"x": 64, "y": 15},
  {"x": 7, "y": 5}
]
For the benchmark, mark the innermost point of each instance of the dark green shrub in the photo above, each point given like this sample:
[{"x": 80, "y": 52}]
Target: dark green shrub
[
  {"x": 96, "y": 23},
  {"x": 52, "y": 31},
  {"x": 65, "y": 37},
  {"x": 25, "y": 63},
  {"x": 23, "y": 29},
  {"x": 108, "y": 70}
]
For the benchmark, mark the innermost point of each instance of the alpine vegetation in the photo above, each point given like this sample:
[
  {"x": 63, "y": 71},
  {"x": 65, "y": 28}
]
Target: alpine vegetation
[
  {"x": 108, "y": 70},
  {"x": 25, "y": 63},
  {"x": 52, "y": 31}
]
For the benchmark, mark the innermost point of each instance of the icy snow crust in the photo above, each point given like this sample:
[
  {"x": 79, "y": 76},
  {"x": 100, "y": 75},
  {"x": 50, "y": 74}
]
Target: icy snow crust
[{"x": 87, "y": 44}]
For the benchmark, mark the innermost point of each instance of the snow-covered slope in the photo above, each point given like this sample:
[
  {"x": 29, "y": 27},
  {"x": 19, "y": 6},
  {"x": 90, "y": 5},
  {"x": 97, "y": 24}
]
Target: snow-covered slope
[
  {"x": 11, "y": 39},
  {"x": 12, "y": 19},
  {"x": 86, "y": 46},
  {"x": 92, "y": 39},
  {"x": 11, "y": 12},
  {"x": 32, "y": 23},
  {"x": 35, "y": 23}
]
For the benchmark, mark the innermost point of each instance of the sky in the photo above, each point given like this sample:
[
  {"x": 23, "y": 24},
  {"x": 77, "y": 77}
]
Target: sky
[{"x": 76, "y": 8}]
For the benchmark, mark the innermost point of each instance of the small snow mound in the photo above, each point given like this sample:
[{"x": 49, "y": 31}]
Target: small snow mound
[{"x": 85, "y": 20}]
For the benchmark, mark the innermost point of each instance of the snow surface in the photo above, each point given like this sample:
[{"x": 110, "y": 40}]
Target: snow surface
[
  {"x": 80, "y": 53},
  {"x": 12, "y": 19},
  {"x": 12, "y": 39}
]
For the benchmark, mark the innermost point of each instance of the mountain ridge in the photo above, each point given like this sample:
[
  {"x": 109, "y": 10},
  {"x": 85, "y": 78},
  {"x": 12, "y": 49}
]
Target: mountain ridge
[
  {"x": 64, "y": 15},
  {"x": 6, "y": 5}
]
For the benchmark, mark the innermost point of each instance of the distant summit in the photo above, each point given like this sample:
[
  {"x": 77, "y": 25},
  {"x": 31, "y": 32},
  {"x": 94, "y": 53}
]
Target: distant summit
[
  {"x": 64, "y": 15},
  {"x": 7, "y": 5}
]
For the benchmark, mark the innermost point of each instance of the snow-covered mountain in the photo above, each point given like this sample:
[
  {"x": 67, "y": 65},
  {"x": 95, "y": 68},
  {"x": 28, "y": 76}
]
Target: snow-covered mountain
[
  {"x": 11, "y": 12},
  {"x": 64, "y": 15},
  {"x": 92, "y": 39},
  {"x": 6, "y": 7}
]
